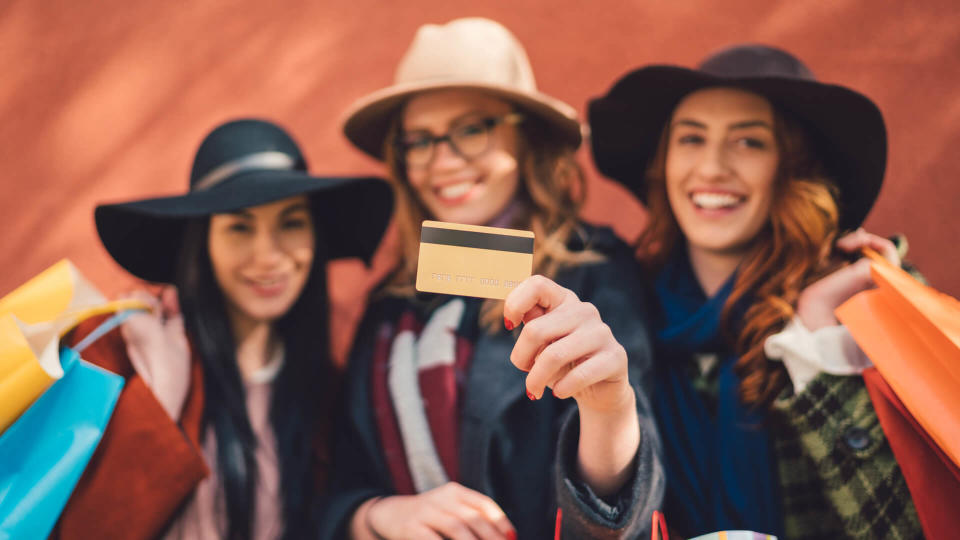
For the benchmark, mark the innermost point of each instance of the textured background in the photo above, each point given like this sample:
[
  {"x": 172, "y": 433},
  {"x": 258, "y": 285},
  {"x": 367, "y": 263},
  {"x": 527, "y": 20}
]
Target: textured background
[{"x": 107, "y": 100}]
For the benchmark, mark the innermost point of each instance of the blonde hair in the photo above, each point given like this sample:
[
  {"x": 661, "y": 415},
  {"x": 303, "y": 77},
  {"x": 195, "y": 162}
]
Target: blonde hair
[
  {"x": 552, "y": 190},
  {"x": 789, "y": 253}
]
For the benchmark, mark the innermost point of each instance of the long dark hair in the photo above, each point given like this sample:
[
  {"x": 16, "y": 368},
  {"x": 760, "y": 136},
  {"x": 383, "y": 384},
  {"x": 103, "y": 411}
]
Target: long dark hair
[{"x": 301, "y": 394}]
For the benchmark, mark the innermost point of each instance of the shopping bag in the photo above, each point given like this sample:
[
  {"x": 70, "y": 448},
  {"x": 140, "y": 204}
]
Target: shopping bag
[
  {"x": 911, "y": 332},
  {"x": 44, "y": 452},
  {"x": 659, "y": 531},
  {"x": 32, "y": 319},
  {"x": 932, "y": 478}
]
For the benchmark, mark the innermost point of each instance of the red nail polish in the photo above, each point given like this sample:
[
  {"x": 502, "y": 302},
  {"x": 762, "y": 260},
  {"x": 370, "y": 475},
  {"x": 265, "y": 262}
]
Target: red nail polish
[
  {"x": 530, "y": 396},
  {"x": 507, "y": 324},
  {"x": 512, "y": 535}
]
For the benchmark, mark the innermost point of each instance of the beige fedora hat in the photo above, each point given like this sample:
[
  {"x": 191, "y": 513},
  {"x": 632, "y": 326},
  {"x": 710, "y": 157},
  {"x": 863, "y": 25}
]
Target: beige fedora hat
[{"x": 470, "y": 53}]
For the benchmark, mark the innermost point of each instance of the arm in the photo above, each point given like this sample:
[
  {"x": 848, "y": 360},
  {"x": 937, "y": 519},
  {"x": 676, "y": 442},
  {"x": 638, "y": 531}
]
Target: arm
[{"x": 624, "y": 468}]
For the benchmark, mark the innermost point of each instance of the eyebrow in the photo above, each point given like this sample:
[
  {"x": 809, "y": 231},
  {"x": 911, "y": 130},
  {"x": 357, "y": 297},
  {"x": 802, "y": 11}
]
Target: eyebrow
[
  {"x": 737, "y": 125},
  {"x": 295, "y": 207},
  {"x": 455, "y": 120}
]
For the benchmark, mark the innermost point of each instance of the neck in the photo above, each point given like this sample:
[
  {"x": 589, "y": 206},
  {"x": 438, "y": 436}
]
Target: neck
[
  {"x": 255, "y": 341},
  {"x": 713, "y": 268},
  {"x": 508, "y": 215}
]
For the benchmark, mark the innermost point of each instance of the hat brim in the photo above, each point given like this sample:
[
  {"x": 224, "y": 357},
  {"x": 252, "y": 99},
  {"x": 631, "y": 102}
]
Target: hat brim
[
  {"x": 626, "y": 125},
  {"x": 145, "y": 236},
  {"x": 368, "y": 120}
]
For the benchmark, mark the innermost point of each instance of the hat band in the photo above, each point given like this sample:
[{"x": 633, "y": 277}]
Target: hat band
[{"x": 250, "y": 162}]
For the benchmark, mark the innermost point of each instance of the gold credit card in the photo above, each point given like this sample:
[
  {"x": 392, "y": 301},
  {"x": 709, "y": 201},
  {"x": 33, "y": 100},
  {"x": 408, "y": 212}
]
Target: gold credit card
[{"x": 470, "y": 260}]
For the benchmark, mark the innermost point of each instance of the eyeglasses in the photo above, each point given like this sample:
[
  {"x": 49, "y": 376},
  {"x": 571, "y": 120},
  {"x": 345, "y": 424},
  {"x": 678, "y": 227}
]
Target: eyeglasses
[{"x": 469, "y": 139}]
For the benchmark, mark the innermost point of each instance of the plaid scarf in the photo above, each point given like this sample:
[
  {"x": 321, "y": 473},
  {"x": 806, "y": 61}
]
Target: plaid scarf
[{"x": 419, "y": 366}]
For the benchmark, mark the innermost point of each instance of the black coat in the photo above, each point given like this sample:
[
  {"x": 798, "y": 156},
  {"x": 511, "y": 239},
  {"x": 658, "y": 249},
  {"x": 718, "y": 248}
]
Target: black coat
[{"x": 520, "y": 453}]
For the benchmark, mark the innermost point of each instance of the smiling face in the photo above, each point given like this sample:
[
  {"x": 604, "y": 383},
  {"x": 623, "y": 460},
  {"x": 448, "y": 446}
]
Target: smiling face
[
  {"x": 452, "y": 186},
  {"x": 721, "y": 163},
  {"x": 261, "y": 257}
]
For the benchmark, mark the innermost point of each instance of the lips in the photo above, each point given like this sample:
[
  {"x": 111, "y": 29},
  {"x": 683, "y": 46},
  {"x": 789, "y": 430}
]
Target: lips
[
  {"x": 268, "y": 286},
  {"x": 453, "y": 193},
  {"x": 716, "y": 200}
]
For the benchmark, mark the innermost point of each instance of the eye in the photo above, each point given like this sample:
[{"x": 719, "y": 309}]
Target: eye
[
  {"x": 472, "y": 129},
  {"x": 417, "y": 141},
  {"x": 690, "y": 139},
  {"x": 753, "y": 143},
  {"x": 239, "y": 227},
  {"x": 294, "y": 223}
]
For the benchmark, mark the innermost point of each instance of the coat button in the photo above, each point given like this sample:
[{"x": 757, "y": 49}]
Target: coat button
[{"x": 857, "y": 438}]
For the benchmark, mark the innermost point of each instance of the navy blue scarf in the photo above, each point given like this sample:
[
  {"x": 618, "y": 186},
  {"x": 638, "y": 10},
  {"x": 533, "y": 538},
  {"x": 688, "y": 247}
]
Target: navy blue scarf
[{"x": 719, "y": 461}]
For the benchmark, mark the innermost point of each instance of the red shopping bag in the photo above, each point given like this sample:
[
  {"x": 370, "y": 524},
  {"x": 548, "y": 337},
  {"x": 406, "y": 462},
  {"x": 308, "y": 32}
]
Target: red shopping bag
[{"x": 932, "y": 478}]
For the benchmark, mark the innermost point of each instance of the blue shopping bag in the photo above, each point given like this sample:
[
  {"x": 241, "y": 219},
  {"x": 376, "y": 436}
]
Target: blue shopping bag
[{"x": 43, "y": 454}]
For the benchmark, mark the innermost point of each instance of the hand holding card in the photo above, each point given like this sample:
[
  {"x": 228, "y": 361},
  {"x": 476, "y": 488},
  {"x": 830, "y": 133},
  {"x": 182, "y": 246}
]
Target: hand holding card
[
  {"x": 470, "y": 260},
  {"x": 566, "y": 346}
]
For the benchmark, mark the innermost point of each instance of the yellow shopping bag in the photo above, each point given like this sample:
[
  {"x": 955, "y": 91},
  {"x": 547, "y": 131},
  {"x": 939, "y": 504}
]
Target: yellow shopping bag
[{"x": 33, "y": 318}]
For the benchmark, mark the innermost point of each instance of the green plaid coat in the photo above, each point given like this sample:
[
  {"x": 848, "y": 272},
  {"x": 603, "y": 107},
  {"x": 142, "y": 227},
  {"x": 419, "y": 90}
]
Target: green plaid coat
[{"x": 838, "y": 476}]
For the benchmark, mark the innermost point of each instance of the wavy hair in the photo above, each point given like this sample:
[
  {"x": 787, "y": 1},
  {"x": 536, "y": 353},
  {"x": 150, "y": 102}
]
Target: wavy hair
[
  {"x": 552, "y": 190},
  {"x": 791, "y": 251}
]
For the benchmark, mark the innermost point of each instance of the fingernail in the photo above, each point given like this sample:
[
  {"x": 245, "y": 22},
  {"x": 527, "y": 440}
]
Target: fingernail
[
  {"x": 530, "y": 396},
  {"x": 512, "y": 535},
  {"x": 507, "y": 324}
]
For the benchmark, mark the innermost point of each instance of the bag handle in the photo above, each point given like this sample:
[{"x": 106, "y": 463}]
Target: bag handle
[
  {"x": 105, "y": 328},
  {"x": 659, "y": 520}
]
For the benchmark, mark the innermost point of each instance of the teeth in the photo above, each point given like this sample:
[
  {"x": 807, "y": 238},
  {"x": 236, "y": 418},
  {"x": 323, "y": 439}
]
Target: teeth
[
  {"x": 455, "y": 190},
  {"x": 712, "y": 201}
]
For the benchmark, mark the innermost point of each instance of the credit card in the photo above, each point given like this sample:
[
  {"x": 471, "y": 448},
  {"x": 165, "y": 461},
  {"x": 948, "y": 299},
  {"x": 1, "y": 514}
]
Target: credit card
[{"x": 470, "y": 260}]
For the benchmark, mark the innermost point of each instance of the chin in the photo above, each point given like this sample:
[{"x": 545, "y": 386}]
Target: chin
[
  {"x": 464, "y": 216},
  {"x": 270, "y": 313}
]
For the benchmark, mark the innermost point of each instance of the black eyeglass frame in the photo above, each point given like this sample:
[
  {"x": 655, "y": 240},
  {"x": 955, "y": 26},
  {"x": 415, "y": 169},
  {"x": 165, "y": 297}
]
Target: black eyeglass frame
[{"x": 488, "y": 123}]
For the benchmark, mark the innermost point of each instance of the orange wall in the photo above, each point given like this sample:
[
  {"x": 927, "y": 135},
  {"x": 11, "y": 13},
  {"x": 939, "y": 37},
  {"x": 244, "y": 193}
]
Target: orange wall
[{"x": 107, "y": 102}]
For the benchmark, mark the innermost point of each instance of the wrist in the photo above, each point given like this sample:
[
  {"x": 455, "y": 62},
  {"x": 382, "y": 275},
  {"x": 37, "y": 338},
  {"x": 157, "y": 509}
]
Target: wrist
[
  {"x": 618, "y": 401},
  {"x": 368, "y": 521},
  {"x": 813, "y": 314},
  {"x": 608, "y": 443},
  {"x": 616, "y": 416},
  {"x": 361, "y": 523}
]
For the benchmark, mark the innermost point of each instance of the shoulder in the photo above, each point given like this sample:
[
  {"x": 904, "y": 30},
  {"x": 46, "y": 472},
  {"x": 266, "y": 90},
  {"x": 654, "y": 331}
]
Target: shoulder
[
  {"x": 379, "y": 310},
  {"x": 614, "y": 267},
  {"x": 600, "y": 239}
]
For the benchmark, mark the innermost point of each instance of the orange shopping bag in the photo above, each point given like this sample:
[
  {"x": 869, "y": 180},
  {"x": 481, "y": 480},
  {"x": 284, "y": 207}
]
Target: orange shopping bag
[{"x": 911, "y": 332}]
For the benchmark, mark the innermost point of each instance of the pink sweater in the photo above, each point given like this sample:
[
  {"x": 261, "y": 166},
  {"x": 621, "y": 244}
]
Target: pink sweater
[{"x": 204, "y": 516}]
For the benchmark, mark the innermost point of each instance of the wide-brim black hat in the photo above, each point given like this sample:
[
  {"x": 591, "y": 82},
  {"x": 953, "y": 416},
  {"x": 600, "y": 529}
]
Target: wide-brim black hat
[
  {"x": 241, "y": 164},
  {"x": 847, "y": 127}
]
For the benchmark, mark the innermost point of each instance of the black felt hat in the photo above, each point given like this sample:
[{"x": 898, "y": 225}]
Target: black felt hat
[
  {"x": 848, "y": 128},
  {"x": 240, "y": 164}
]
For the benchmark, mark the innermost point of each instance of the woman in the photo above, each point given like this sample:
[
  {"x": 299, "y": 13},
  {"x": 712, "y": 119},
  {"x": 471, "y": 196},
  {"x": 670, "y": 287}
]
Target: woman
[
  {"x": 224, "y": 435},
  {"x": 752, "y": 170},
  {"x": 438, "y": 438}
]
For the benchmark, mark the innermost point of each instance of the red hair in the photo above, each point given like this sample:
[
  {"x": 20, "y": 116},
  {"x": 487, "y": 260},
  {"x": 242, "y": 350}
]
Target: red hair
[{"x": 790, "y": 252}]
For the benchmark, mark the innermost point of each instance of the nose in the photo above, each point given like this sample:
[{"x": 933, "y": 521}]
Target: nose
[
  {"x": 713, "y": 162},
  {"x": 445, "y": 158},
  {"x": 267, "y": 249}
]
